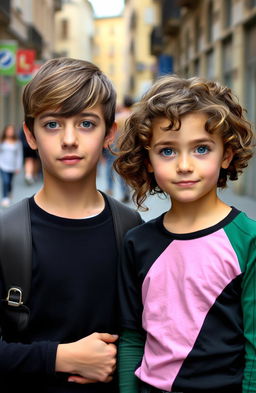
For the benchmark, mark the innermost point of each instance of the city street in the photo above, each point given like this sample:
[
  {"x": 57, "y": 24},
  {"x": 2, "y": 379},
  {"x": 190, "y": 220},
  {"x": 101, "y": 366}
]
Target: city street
[{"x": 156, "y": 204}]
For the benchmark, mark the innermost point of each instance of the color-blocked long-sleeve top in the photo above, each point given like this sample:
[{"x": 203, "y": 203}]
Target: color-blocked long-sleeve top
[{"x": 194, "y": 295}]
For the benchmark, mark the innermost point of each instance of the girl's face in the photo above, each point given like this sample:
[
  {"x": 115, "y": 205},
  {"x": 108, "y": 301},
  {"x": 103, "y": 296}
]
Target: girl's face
[{"x": 186, "y": 163}]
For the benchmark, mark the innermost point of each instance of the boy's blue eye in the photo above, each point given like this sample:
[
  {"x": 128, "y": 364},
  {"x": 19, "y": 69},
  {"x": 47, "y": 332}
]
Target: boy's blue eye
[
  {"x": 52, "y": 124},
  {"x": 86, "y": 124},
  {"x": 202, "y": 149},
  {"x": 167, "y": 152}
]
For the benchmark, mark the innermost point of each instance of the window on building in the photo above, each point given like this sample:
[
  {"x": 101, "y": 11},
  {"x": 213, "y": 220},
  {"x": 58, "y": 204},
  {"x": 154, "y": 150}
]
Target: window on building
[
  {"x": 111, "y": 69},
  {"x": 210, "y": 65},
  {"x": 187, "y": 45},
  {"x": 228, "y": 13},
  {"x": 197, "y": 34},
  {"x": 210, "y": 21},
  {"x": 64, "y": 29},
  {"x": 112, "y": 30},
  {"x": 197, "y": 67},
  {"x": 111, "y": 50},
  {"x": 227, "y": 61}
]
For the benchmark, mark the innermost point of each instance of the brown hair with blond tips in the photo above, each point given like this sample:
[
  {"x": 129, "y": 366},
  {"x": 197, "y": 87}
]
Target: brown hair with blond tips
[
  {"x": 173, "y": 97},
  {"x": 68, "y": 85}
]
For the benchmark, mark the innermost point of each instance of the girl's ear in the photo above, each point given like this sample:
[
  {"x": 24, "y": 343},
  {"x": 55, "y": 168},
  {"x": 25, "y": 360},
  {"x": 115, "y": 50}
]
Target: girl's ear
[
  {"x": 227, "y": 158},
  {"x": 29, "y": 137},
  {"x": 109, "y": 138},
  {"x": 149, "y": 167}
]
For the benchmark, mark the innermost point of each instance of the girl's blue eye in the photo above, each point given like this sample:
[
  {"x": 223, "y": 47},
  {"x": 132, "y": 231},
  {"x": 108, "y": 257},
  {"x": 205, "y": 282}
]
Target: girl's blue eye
[
  {"x": 202, "y": 149},
  {"x": 167, "y": 152},
  {"x": 52, "y": 124},
  {"x": 86, "y": 124}
]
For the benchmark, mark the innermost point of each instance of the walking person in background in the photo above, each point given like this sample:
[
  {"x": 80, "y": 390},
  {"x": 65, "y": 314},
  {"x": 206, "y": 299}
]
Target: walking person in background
[
  {"x": 31, "y": 161},
  {"x": 187, "y": 278},
  {"x": 121, "y": 115},
  {"x": 10, "y": 161}
]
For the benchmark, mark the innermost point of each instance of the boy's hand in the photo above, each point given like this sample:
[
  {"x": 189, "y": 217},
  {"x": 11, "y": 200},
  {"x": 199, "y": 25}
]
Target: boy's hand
[{"x": 91, "y": 359}]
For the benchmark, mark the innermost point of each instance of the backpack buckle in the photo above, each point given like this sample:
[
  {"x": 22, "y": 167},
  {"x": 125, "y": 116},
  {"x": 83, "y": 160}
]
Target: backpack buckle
[{"x": 14, "y": 297}]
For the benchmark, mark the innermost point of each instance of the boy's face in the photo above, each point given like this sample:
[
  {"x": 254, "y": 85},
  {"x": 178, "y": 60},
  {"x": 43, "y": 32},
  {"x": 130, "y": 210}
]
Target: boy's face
[
  {"x": 70, "y": 148},
  {"x": 186, "y": 163}
]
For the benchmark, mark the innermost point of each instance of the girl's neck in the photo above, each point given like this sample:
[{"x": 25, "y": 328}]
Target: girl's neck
[{"x": 192, "y": 217}]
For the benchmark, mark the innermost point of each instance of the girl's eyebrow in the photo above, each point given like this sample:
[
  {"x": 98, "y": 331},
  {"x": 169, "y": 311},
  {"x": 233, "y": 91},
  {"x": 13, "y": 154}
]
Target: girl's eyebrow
[{"x": 193, "y": 142}]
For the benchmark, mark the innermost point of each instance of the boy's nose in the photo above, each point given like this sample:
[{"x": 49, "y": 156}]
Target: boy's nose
[
  {"x": 184, "y": 163},
  {"x": 69, "y": 137}
]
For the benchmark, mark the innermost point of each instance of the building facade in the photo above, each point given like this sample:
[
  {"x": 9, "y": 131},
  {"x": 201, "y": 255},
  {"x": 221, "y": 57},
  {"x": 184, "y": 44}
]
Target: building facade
[
  {"x": 25, "y": 24},
  {"x": 140, "y": 18},
  {"x": 74, "y": 30},
  {"x": 109, "y": 51}
]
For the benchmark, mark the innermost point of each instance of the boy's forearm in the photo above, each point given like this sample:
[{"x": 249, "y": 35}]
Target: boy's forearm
[{"x": 130, "y": 352}]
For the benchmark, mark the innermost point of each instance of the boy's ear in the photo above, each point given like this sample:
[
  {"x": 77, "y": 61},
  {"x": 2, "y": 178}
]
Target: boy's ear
[
  {"x": 227, "y": 158},
  {"x": 29, "y": 137},
  {"x": 109, "y": 138}
]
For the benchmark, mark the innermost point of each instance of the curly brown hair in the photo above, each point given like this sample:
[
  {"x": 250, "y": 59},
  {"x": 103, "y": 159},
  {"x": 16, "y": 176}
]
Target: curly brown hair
[{"x": 173, "y": 97}]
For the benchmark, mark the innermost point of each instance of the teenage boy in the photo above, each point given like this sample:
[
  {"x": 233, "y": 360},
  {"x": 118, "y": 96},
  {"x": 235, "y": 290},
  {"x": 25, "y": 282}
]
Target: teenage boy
[{"x": 70, "y": 342}]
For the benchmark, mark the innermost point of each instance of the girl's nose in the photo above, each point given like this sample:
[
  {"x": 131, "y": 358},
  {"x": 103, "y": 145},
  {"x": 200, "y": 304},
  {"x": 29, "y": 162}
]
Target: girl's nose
[{"x": 184, "y": 163}]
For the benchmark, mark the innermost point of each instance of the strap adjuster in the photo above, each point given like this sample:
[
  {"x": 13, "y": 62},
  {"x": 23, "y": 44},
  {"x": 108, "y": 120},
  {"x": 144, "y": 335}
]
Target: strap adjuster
[{"x": 14, "y": 297}]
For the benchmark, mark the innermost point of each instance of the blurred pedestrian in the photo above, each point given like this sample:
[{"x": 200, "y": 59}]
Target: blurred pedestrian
[
  {"x": 121, "y": 115},
  {"x": 31, "y": 161},
  {"x": 10, "y": 161}
]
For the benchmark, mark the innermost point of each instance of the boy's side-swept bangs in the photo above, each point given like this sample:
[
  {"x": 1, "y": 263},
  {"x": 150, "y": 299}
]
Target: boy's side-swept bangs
[{"x": 69, "y": 86}]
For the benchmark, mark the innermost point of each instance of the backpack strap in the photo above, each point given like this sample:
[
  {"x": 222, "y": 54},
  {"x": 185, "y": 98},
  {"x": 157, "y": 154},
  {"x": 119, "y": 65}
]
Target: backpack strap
[
  {"x": 16, "y": 252},
  {"x": 124, "y": 218}
]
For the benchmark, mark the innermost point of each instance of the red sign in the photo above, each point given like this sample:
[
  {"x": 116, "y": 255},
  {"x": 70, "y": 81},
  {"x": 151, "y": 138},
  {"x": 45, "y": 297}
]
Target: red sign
[{"x": 25, "y": 59}]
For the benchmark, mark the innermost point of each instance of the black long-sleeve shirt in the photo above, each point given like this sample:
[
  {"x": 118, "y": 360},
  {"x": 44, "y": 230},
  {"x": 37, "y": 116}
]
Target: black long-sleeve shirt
[{"x": 73, "y": 294}]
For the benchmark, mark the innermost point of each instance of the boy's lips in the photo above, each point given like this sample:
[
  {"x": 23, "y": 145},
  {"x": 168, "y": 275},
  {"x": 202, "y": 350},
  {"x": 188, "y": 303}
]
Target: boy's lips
[{"x": 70, "y": 159}]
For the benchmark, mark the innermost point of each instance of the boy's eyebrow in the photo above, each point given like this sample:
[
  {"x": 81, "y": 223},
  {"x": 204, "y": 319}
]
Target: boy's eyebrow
[
  {"x": 59, "y": 114},
  {"x": 193, "y": 142}
]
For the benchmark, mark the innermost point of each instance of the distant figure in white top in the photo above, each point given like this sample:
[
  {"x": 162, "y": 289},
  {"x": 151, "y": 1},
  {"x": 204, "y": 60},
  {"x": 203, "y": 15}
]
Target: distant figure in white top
[{"x": 11, "y": 160}]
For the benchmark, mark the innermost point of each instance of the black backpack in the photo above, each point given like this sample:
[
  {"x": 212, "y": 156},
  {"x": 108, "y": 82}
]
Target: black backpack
[{"x": 16, "y": 257}]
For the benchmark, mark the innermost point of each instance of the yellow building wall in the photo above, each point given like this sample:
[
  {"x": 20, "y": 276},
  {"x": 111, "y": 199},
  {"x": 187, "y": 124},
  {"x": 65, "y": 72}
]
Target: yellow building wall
[{"x": 109, "y": 51}]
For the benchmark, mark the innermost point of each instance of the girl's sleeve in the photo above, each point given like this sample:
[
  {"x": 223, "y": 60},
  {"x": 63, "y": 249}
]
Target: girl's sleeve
[
  {"x": 132, "y": 338},
  {"x": 130, "y": 352}
]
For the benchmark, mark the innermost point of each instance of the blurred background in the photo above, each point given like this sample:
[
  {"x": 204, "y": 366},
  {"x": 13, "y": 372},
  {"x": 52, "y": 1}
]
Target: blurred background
[{"x": 133, "y": 42}]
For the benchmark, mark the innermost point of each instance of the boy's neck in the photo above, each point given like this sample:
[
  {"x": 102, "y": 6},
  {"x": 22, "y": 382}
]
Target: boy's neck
[
  {"x": 188, "y": 218},
  {"x": 70, "y": 200}
]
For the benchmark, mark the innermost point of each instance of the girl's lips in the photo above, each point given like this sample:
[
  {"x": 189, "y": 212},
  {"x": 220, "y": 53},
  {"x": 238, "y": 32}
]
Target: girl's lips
[
  {"x": 70, "y": 160},
  {"x": 186, "y": 183}
]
